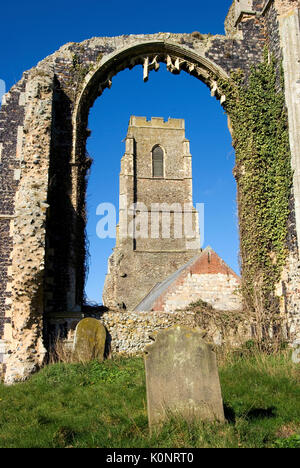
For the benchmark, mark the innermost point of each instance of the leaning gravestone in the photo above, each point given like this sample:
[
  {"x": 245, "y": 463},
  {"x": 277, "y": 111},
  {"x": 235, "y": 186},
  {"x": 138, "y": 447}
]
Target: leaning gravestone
[
  {"x": 89, "y": 341},
  {"x": 182, "y": 377}
]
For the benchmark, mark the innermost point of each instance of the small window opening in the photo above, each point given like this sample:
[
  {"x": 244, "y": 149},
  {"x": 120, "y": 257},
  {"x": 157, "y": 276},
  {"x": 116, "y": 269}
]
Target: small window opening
[{"x": 157, "y": 162}]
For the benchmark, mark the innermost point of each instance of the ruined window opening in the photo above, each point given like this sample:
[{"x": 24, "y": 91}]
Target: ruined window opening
[{"x": 157, "y": 162}]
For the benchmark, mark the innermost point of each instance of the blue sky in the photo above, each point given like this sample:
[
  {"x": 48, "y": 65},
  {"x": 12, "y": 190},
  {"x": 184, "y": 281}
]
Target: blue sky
[{"x": 32, "y": 30}]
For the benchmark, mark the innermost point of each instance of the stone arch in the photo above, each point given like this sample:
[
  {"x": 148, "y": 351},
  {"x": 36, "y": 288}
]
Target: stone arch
[
  {"x": 43, "y": 136},
  {"x": 149, "y": 54}
]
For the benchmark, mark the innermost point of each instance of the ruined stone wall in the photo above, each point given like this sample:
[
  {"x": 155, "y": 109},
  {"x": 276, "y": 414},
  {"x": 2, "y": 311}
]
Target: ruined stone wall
[
  {"x": 272, "y": 30},
  {"x": 289, "y": 40},
  {"x": 282, "y": 36},
  {"x": 26, "y": 346},
  {"x": 73, "y": 65},
  {"x": 11, "y": 132},
  {"x": 130, "y": 332},
  {"x": 48, "y": 269},
  {"x": 245, "y": 38},
  {"x": 285, "y": 6},
  {"x": 11, "y": 135}
]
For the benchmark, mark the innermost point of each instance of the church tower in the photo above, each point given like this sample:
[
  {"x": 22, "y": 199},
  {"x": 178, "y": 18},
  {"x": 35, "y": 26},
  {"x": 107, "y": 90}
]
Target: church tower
[{"x": 158, "y": 229}]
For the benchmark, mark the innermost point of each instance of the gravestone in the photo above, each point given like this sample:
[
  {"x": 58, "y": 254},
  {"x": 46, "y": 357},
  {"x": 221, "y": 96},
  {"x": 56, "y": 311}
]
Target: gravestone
[
  {"x": 182, "y": 377},
  {"x": 89, "y": 341}
]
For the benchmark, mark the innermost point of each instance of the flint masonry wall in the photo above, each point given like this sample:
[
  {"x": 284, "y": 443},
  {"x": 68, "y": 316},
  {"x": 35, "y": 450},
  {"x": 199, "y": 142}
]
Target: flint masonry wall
[
  {"x": 130, "y": 332},
  {"x": 23, "y": 326},
  {"x": 42, "y": 140},
  {"x": 10, "y": 163}
]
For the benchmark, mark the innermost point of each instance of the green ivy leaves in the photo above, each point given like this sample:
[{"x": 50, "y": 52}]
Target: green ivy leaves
[{"x": 264, "y": 179}]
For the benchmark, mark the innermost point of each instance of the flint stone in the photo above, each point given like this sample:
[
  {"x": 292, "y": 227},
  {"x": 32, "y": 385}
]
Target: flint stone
[
  {"x": 182, "y": 377},
  {"x": 89, "y": 341}
]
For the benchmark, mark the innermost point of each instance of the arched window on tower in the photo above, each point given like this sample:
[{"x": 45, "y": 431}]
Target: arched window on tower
[{"x": 157, "y": 162}]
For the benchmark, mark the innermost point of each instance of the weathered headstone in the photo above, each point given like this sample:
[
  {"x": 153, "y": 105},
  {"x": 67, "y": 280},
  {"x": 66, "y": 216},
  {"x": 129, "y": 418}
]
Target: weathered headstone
[
  {"x": 89, "y": 341},
  {"x": 182, "y": 377}
]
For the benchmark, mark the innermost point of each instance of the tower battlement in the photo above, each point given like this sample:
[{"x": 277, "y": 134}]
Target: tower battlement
[{"x": 156, "y": 122}]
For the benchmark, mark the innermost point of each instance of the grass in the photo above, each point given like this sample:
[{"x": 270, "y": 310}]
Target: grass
[{"x": 104, "y": 405}]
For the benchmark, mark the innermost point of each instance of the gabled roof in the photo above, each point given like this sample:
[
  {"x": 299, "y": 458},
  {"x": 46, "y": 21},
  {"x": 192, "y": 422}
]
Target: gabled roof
[{"x": 207, "y": 262}]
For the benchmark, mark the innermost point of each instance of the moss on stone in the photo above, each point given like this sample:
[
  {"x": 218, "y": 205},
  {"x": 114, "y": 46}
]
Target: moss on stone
[{"x": 90, "y": 340}]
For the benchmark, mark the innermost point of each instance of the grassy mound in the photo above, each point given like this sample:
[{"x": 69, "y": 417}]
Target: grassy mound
[{"x": 104, "y": 405}]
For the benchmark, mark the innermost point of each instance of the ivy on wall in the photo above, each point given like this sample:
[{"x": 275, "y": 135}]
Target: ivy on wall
[{"x": 257, "y": 112}]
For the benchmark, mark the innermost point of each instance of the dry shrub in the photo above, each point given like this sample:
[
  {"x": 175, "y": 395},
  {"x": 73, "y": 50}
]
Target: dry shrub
[
  {"x": 276, "y": 365},
  {"x": 235, "y": 328},
  {"x": 288, "y": 430},
  {"x": 232, "y": 326},
  {"x": 62, "y": 351}
]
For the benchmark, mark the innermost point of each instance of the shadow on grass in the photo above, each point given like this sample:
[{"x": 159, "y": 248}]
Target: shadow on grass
[
  {"x": 255, "y": 413},
  {"x": 229, "y": 414},
  {"x": 261, "y": 413}
]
